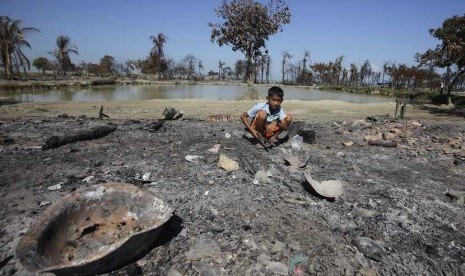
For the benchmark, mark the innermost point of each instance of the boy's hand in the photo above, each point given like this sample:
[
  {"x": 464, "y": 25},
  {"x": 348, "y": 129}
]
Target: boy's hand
[{"x": 256, "y": 134}]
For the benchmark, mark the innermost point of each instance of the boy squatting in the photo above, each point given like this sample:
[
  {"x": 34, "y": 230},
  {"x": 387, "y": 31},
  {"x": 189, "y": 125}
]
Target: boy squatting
[{"x": 268, "y": 118}]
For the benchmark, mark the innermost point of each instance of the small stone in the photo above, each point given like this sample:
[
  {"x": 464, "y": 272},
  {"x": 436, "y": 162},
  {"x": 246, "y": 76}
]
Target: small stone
[
  {"x": 278, "y": 268},
  {"x": 146, "y": 176},
  {"x": 55, "y": 187},
  {"x": 369, "y": 248},
  {"x": 193, "y": 158},
  {"x": 395, "y": 130},
  {"x": 173, "y": 272},
  {"x": 215, "y": 149},
  {"x": 389, "y": 136},
  {"x": 347, "y": 143},
  {"x": 261, "y": 176},
  {"x": 88, "y": 179},
  {"x": 227, "y": 164},
  {"x": 277, "y": 247},
  {"x": 44, "y": 203}
]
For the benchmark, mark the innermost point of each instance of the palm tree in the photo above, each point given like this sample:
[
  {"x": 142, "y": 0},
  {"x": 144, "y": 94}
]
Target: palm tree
[
  {"x": 11, "y": 42},
  {"x": 64, "y": 48},
  {"x": 158, "y": 50}
]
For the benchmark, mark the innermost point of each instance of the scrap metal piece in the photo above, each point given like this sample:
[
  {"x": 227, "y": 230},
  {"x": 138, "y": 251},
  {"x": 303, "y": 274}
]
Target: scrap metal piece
[{"x": 93, "y": 230}]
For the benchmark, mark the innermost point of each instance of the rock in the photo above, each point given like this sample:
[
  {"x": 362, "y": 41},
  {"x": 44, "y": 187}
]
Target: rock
[
  {"x": 455, "y": 143},
  {"x": 215, "y": 149},
  {"x": 457, "y": 196},
  {"x": 415, "y": 124},
  {"x": 193, "y": 158},
  {"x": 44, "y": 203},
  {"x": 395, "y": 130},
  {"x": 347, "y": 143},
  {"x": 389, "y": 136},
  {"x": 369, "y": 248},
  {"x": 374, "y": 137},
  {"x": 117, "y": 163},
  {"x": 88, "y": 179},
  {"x": 277, "y": 247},
  {"x": 227, "y": 164},
  {"x": 278, "y": 268},
  {"x": 448, "y": 150},
  {"x": 55, "y": 187},
  {"x": 173, "y": 272},
  {"x": 146, "y": 176},
  {"x": 261, "y": 176}
]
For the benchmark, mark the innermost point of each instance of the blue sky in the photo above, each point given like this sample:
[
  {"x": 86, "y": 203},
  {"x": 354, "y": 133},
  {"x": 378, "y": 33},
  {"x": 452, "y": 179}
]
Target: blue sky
[{"x": 378, "y": 30}]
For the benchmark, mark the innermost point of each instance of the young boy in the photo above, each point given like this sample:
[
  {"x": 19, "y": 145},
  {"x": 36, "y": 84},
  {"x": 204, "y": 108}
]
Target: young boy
[{"x": 269, "y": 118}]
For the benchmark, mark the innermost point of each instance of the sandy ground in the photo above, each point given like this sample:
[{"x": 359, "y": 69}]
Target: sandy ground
[{"x": 311, "y": 111}]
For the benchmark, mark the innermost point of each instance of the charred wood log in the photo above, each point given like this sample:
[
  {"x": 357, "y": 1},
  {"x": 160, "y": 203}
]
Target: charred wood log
[
  {"x": 102, "y": 115},
  {"x": 387, "y": 144},
  {"x": 82, "y": 135}
]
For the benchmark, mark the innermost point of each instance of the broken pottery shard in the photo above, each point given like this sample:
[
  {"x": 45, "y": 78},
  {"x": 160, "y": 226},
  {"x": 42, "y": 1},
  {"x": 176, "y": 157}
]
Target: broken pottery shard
[
  {"x": 348, "y": 143},
  {"x": 330, "y": 189},
  {"x": 193, "y": 158},
  {"x": 93, "y": 230},
  {"x": 369, "y": 248},
  {"x": 292, "y": 160},
  {"x": 215, "y": 149},
  {"x": 227, "y": 164}
]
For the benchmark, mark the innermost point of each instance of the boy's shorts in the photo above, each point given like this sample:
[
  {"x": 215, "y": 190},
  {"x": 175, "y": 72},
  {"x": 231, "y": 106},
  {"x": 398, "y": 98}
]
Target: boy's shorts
[{"x": 268, "y": 132}]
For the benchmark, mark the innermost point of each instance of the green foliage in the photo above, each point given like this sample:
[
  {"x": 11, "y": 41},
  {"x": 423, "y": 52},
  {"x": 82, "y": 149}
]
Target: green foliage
[
  {"x": 42, "y": 64},
  {"x": 12, "y": 39},
  {"x": 61, "y": 53},
  {"x": 451, "y": 51},
  {"x": 108, "y": 64},
  {"x": 247, "y": 25}
]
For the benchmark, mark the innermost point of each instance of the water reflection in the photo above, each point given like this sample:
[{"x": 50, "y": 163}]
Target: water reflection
[{"x": 208, "y": 92}]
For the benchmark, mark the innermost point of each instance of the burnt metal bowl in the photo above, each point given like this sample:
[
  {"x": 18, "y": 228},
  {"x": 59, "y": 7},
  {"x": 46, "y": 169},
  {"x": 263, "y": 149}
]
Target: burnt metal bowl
[{"x": 93, "y": 230}]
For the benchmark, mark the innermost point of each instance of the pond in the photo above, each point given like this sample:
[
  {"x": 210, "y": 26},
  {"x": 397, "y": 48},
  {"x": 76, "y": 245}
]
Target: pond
[{"x": 172, "y": 91}]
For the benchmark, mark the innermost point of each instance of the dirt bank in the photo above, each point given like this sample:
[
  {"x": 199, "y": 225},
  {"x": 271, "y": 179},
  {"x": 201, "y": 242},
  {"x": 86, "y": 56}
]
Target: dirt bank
[
  {"x": 394, "y": 217},
  {"x": 311, "y": 111}
]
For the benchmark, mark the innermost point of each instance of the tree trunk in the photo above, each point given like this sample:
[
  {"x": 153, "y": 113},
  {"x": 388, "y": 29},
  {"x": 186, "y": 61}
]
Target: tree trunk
[{"x": 451, "y": 85}]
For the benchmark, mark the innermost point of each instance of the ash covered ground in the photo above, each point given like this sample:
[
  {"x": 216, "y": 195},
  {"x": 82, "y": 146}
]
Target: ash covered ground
[{"x": 401, "y": 213}]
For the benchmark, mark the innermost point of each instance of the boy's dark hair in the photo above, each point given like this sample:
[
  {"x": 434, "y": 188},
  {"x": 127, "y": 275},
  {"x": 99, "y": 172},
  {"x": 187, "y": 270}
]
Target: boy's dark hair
[{"x": 276, "y": 90}]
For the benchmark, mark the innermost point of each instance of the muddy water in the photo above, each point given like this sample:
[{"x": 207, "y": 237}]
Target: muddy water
[{"x": 208, "y": 92}]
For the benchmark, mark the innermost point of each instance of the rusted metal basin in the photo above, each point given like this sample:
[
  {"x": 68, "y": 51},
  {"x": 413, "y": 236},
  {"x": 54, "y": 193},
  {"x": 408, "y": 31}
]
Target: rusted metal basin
[{"x": 93, "y": 230}]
